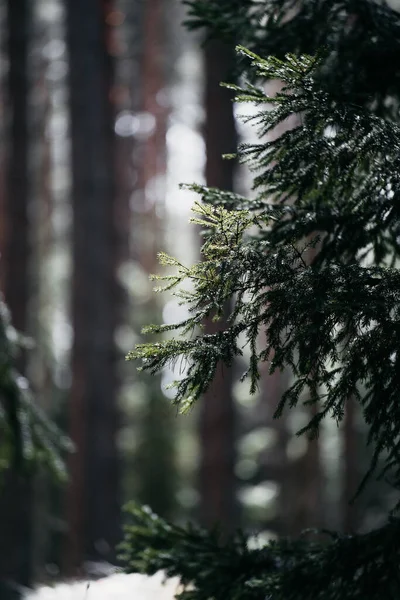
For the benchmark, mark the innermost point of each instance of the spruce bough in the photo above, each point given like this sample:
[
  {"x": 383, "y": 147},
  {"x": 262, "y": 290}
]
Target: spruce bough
[
  {"x": 27, "y": 437},
  {"x": 310, "y": 265}
]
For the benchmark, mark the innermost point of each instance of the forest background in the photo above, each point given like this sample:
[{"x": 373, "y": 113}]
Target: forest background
[{"x": 105, "y": 107}]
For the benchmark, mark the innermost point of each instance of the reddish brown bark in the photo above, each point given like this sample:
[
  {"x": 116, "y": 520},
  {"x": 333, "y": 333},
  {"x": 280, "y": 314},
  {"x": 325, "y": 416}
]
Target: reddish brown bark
[
  {"x": 217, "y": 417},
  {"x": 152, "y": 150}
]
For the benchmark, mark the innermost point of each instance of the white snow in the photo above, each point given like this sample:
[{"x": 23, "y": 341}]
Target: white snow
[{"x": 119, "y": 586}]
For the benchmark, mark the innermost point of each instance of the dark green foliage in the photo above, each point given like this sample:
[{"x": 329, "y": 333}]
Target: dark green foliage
[
  {"x": 362, "y": 38},
  {"x": 190, "y": 553},
  {"x": 334, "y": 320},
  {"x": 310, "y": 265},
  {"x": 366, "y": 566},
  {"x": 27, "y": 437}
]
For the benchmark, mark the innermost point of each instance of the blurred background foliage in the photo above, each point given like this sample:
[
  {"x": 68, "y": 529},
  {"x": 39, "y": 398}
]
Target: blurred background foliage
[{"x": 105, "y": 107}]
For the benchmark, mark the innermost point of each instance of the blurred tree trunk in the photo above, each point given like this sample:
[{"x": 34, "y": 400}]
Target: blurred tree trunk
[
  {"x": 93, "y": 499},
  {"x": 152, "y": 149},
  {"x": 307, "y": 481},
  {"x": 307, "y": 477},
  {"x": 217, "y": 417},
  {"x": 274, "y": 461},
  {"x": 155, "y": 455},
  {"x": 40, "y": 375},
  {"x": 126, "y": 99},
  {"x": 16, "y": 490},
  {"x": 351, "y": 471}
]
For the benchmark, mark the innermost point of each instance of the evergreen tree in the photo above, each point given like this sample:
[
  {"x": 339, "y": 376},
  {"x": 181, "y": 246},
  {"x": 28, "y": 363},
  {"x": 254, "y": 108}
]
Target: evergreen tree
[
  {"x": 26, "y": 435},
  {"x": 16, "y": 497},
  {"x": 312, "y": 259},
  {"x": 27, "y": 439}
]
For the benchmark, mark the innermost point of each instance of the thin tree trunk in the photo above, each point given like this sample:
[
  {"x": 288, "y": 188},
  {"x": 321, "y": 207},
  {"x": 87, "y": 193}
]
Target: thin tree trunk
[
  {"x": 40, "y": 297},
  {"x": 350, "y": 475},
  {"x": 274, "y": 461},
  {"x": 217, "y": 417},
  {"x": 16, "y": 490},
  {"x": 93, "y": 499},
  {"x": 310, "y": 484},
  {"x": 152, "y": 168},
  {"x": 155, "y": 454},
  {"x": 308, "y": 476}
]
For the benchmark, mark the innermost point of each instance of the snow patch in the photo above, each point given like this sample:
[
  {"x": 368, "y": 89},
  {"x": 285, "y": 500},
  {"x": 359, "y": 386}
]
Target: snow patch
[{"x": 119, "y": 586}]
